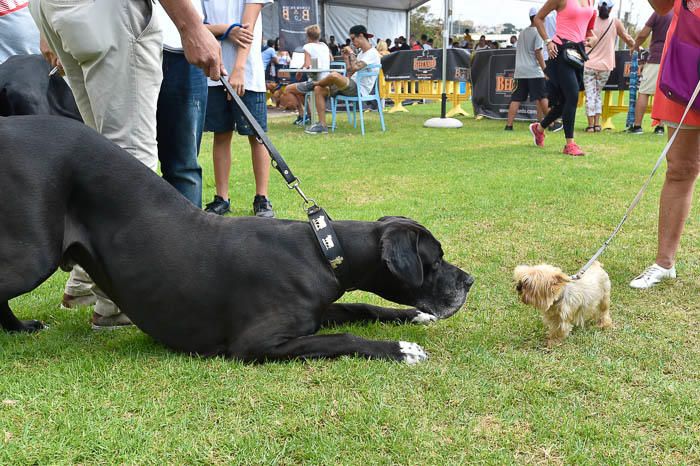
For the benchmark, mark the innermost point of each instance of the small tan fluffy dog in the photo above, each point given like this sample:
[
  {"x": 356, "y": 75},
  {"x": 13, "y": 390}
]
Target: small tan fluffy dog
[{"x": 562, "y": 301}]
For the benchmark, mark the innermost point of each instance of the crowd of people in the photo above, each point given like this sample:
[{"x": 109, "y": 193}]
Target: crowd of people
[
  {"x": 176, "y": 70},
  {"x": 569, "y": 46}
]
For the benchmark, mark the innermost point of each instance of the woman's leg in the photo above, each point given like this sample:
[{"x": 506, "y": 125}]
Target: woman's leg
[
  {"x": 555, "y": 98},
  {"x": 601, "y": 79},
  {"x": 590, "y": 85},
  {"x": 677, "y": 193},
  {"x": 569, "y": 85}
]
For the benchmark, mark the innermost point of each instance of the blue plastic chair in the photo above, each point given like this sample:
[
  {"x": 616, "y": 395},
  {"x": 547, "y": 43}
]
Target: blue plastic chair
[
  {"x": 356, "y": 102},
  {"x": 338, "y": 67}
]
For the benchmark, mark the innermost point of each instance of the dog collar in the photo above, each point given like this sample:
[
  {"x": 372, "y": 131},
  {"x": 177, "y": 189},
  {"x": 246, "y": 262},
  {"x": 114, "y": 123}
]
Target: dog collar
[{"x": 328, "y": 241}]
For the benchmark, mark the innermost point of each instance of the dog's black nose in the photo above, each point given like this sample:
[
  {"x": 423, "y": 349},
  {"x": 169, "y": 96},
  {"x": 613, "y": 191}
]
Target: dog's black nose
[{"x": 468, "y": 282}]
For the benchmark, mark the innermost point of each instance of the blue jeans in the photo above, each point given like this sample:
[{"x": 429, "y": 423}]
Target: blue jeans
[{"x": 182, "y": 106}]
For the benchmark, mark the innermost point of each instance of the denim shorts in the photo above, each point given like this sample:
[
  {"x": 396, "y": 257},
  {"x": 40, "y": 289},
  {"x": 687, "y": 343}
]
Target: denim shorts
[{"x": 224, "y": 115}]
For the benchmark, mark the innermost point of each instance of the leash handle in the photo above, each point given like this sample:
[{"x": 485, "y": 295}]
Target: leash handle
[
  {"x": 277, "y": 160},
  {"x": 639, "y": 195}
]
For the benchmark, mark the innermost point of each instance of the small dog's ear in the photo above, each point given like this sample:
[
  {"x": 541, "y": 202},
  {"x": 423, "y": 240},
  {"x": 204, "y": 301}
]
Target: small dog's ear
[{"x": 559, "y": 279}]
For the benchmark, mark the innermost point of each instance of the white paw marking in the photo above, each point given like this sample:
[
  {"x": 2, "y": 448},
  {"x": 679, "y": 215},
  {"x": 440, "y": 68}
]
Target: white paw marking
[
  {"x": 423, "y": 318},
  {"x": 412, "y": 353}
]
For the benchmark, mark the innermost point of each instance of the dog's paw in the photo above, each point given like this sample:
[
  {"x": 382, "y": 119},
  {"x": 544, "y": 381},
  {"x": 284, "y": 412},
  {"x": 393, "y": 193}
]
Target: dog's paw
[
  {"x": 411, "y": 353},
  {"x": 423, "y": 318},
  {"x": 29, "y": 326}
]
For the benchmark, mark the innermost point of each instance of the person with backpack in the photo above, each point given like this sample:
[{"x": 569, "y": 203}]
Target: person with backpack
[{"x": 683, "y": 157}]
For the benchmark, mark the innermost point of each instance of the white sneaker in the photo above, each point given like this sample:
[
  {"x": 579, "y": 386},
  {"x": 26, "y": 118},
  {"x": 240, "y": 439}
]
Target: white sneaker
[{"x": 653, "y": 275}]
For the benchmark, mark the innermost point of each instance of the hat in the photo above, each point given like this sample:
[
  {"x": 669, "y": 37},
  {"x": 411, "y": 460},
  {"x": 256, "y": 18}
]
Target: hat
[
  {"x": 533, "y": 11},
  {"x": 607, "y": 3},
  {"x": 359, "y": 29}
]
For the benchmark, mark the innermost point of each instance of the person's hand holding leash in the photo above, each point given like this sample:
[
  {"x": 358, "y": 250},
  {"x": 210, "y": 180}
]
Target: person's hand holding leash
[
  {"x": 203, "y": 51},
  {"x": 241, "y": 36},
  {"x": 50, "y": 56}
]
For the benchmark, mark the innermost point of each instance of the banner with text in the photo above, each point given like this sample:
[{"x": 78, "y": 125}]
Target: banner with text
[
  {"x": 426, "y": 65},
  {"x": 294, "y": 17},
  {"x": 493, "y": 84},
  {"x": 620, "y": 77}
]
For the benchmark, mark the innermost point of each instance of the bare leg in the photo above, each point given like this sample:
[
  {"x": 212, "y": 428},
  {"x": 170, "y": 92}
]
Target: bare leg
[
  {"x": 222, "y": 162},
  {"x": 298, "y": 96},
  {"x": 677, "y": 193},
  {"x": 261, "y": 165},
  {"x": 542, "y": 108},
  {"x": 320, "y": 94},
  {"x": 640, "y": 109},
  {"x": 512, "y": 111}
]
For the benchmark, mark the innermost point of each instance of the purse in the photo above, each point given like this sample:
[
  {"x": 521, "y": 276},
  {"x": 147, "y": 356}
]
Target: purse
[
  {"x": 680, "y": 67},
  {"x": 573, "y": 53},
  {"x": 574, "y": 58}
]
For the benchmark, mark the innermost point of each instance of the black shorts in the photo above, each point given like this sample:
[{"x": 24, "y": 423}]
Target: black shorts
[{"x": 535, "y": 88}]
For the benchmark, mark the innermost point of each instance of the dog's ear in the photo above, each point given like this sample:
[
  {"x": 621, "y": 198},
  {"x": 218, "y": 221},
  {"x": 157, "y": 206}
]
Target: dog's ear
[
  {"x": 400, "y": 254},
  {"x": 557, "y": 281}
]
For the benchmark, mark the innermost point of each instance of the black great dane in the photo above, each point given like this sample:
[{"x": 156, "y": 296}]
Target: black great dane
[
  {"x": 247, "y": 288},
  {"x": 27, "y": 89}
]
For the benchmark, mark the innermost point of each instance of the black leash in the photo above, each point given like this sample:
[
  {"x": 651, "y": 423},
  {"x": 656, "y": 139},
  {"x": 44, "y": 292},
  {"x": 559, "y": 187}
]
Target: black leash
[{"x": 319, "y": 220}]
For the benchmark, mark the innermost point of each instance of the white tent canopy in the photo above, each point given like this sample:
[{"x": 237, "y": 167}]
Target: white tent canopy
[{"x": 385, "y": 19}]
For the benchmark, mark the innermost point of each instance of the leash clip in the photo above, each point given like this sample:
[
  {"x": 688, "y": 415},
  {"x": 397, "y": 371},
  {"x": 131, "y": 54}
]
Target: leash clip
[{"x": 310, "y": 205}]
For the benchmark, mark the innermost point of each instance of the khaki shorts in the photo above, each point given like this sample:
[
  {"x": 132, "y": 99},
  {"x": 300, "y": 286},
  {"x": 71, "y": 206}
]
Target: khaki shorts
[
  {"x": 349, "y": 91},
  {"x": 650, "y": 73}
]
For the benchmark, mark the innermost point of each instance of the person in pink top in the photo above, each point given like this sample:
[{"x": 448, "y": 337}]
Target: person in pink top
[
  {"x": 575, "y": 20},
  {"x": 601, "y": 61}
]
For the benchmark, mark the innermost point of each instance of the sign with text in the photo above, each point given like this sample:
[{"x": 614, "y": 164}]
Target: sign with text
[
  {"x": 493, "y": 83},
  {"x": 294, "y": 17},
  {"x": 426, "y": 65}
]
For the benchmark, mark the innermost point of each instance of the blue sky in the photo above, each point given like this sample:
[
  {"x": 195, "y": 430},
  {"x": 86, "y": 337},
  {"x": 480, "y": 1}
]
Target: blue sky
[{"x": 515, "y": 11}]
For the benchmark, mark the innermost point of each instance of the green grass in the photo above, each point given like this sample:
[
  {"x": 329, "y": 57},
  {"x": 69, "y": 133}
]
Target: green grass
[{"x": 490, "y": 393}]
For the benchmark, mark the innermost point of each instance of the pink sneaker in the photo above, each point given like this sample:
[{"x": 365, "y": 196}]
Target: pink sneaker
[
  {"x": 537, "y": 135},
  {"x": 573, "y": 149}
]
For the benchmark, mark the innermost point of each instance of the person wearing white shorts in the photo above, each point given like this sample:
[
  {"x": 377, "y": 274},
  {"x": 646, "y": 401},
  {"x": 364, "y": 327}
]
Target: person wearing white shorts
[{"x": 657, "y": 27}]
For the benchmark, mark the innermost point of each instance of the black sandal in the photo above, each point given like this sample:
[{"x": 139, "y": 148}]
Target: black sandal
[
  {"x": 590, "y": 129},
  {"x": 597, "y": 128}
]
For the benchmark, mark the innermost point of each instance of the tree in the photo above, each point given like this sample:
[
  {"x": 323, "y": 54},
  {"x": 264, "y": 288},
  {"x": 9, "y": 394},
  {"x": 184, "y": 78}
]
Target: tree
[
  {"x": 509, "y": 28},
  {"x": 424, "y": 22}
]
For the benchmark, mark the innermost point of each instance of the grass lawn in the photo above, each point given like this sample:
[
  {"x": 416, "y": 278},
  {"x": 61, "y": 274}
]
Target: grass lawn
[{"x": 490, "y": 393}]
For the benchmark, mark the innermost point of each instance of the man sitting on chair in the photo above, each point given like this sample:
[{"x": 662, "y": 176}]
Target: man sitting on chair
[{"x": 336, "y": 83}]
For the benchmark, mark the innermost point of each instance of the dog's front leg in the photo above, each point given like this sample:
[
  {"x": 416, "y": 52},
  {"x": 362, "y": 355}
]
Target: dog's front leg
[
  {"x": 342, "y": 313},
  {"x": 333, "y": 346},
  {"x": 10, "y": 323}
]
